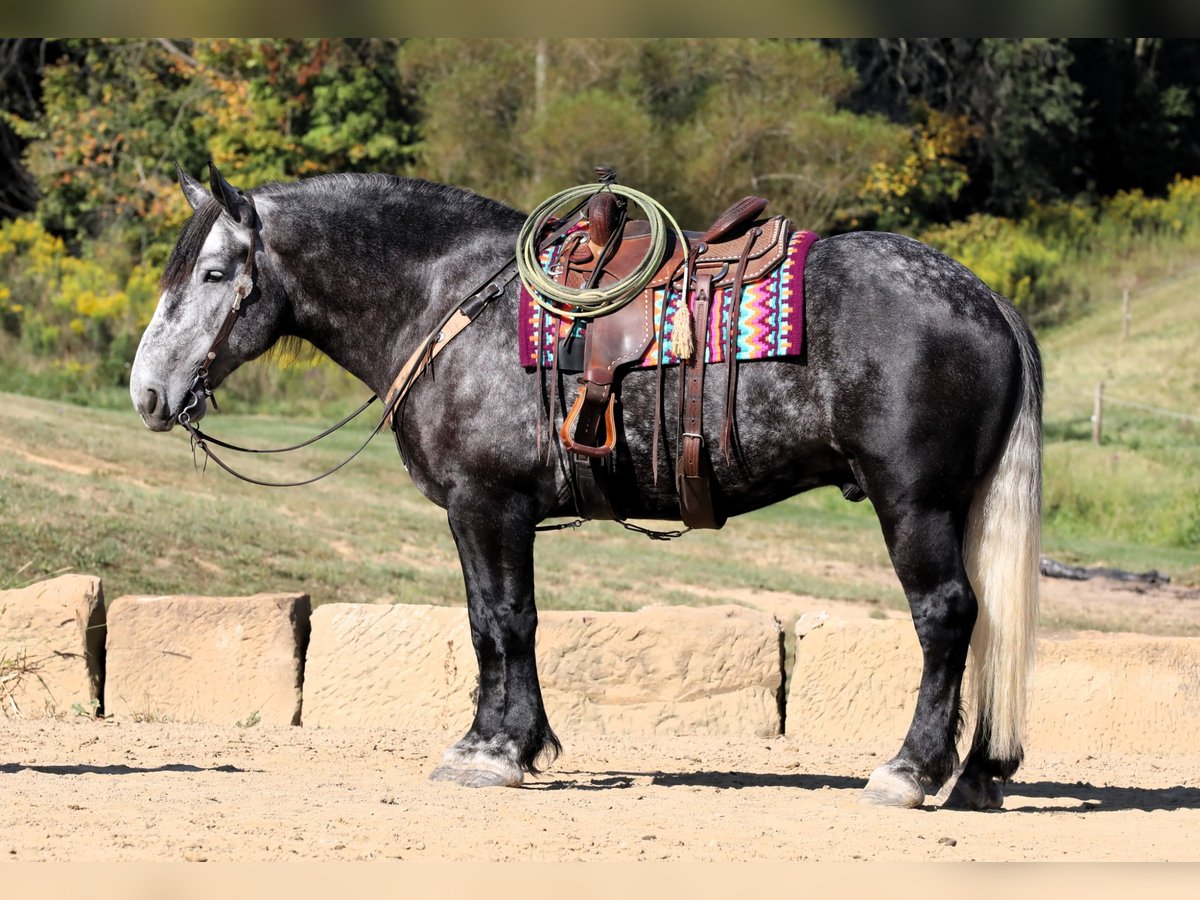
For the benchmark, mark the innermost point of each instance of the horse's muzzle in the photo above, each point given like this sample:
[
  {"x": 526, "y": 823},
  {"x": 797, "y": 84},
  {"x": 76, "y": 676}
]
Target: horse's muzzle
[
  {"x": 156, "y": 412},
  {"x": 151, "y": 404}
]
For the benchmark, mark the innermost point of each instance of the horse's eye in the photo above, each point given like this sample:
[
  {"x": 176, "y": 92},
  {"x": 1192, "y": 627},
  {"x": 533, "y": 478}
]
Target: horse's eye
[{"x": 213, "y": 275}]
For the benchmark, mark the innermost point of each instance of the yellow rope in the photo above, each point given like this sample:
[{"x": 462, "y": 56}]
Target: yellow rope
[{"x": 579, "y": 303}]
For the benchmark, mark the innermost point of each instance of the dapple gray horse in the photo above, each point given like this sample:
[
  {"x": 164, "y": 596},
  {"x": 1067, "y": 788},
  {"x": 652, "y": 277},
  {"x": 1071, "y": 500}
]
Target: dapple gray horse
[{"x": 918, "y": 386}]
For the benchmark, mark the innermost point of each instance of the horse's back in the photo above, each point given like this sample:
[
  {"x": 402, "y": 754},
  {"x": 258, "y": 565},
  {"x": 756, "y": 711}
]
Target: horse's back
[{"x": 876, "y": 290}]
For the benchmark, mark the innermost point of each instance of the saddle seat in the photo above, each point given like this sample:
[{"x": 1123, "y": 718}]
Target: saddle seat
[{"x": 739, "y": 248}]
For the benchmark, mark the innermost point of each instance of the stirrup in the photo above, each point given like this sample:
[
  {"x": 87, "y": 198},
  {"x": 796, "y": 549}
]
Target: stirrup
[{"x": 610, "y": 428}]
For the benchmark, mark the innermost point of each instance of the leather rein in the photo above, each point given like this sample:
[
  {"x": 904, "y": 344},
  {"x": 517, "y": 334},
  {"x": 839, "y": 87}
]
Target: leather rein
[{"x": 447, "y": 328}]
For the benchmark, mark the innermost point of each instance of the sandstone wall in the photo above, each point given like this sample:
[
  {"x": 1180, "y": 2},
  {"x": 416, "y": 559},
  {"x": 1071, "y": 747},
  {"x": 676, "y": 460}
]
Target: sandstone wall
[{"x": 661, "y": 670}]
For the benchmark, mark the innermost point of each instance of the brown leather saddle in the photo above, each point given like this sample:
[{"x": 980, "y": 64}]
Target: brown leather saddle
[{"x": 738, "y": 249}]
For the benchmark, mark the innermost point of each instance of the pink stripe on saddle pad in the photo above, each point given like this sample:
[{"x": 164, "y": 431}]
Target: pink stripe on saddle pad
[{"x": 770, "y": 318}]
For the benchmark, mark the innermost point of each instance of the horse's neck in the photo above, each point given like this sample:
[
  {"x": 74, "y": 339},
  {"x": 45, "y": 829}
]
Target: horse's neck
[{"x": 382, "y": 282}]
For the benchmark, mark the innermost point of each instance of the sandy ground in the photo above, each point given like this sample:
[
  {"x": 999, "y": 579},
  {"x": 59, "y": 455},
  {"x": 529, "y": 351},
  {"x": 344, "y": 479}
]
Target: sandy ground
[
  {"x": 160, "y": 791},
  {"x": 124, "y": 790}
]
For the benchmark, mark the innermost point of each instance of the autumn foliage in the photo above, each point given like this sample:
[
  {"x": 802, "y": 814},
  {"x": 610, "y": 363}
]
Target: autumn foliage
[{"x": 981, "y": 147}]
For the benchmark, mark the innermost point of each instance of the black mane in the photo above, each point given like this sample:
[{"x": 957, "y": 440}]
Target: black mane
[
  {"x": 468, "y": 205},
  {"x": 183, "y": 258}
]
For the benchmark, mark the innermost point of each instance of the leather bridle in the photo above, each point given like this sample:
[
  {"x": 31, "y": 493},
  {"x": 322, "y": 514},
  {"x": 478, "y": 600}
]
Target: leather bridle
[{"x": 243, "y": 286}]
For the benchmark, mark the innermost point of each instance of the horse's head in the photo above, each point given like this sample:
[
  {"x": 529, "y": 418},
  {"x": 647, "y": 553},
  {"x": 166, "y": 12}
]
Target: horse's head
[{"x": 219, "y": 251}]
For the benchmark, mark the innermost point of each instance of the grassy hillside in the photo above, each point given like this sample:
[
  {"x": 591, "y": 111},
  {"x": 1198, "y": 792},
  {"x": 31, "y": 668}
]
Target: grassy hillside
[
  {"x": 91, "y": 490},
  {"x": 1134, "y": 501}
]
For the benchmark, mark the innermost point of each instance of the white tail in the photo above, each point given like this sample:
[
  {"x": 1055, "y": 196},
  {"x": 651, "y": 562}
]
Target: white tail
[{"x": 1004, "y": 533}]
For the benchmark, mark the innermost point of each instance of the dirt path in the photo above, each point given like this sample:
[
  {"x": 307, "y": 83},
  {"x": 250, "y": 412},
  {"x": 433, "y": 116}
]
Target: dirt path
[
  {"x": 1100, "y": 603},
  {"x": 155, "y": 791}
]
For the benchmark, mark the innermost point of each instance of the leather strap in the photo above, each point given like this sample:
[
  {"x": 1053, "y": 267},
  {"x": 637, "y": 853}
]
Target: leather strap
[
  {"x": 563, "y": 262},
  {"x": 422, "y": 357},
  {"x": 684, "y": 289},
  {"x": 731, "y": 346},
  {"x": 243, "y": 285},
  {"x": 692, "y": 473}
]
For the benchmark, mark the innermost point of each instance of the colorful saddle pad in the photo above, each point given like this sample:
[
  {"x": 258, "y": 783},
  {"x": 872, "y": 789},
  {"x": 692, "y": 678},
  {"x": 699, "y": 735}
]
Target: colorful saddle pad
[{"x": 770, "y": 317}]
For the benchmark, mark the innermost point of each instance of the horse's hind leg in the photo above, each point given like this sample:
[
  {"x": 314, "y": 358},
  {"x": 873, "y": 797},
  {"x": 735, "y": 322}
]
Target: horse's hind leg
[
  {"x": 926, "y": 548},
  {"x": 495, "y": 544}
]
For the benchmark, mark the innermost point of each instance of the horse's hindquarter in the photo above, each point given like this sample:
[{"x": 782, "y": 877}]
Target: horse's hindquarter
[{"x": 913, "y": 356}]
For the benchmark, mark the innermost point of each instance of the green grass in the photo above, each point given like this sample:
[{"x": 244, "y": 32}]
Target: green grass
[
  {"x": 92, "y": 490},
  {"x": 1134, "y": 501}
]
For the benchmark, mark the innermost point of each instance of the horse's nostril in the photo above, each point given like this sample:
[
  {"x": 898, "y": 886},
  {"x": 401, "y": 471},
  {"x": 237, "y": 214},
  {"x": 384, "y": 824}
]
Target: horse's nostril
[{"x": 151, "y": 404}]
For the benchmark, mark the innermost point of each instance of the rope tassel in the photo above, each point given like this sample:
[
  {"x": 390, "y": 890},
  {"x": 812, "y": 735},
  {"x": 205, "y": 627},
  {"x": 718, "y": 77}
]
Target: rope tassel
[{"x": 681, "y": 334}]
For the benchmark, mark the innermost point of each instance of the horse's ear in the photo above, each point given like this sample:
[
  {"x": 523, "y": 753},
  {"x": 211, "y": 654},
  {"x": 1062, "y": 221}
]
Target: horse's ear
[
  {"x": 231, "y": 199},
  {"x": 193, "y": 191}
]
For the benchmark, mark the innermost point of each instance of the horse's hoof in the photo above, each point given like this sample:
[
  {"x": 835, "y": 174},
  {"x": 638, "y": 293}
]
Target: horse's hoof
[
  {"x": 475, "y": 777},
  {"x": 472, "y": 764},
  {"x": 975, "y": 795},
  {"x": 890, "y": 786}
]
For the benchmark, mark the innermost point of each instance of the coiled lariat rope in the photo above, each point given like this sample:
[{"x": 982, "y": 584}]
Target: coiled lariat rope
[{"x": 589, "y": 303}]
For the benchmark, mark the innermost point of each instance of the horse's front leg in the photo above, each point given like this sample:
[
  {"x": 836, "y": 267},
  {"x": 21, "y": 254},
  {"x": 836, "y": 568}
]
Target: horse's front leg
[{"x": 494, "y": 535}]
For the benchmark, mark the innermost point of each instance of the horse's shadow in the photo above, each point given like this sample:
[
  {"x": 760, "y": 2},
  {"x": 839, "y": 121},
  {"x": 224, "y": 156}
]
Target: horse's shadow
[
  {"x": 603, "y": 781},
  {"x": 13, "y": 768},
  {"x": 1094, "y": 798},
  {"x": 1080, "y": 797}
]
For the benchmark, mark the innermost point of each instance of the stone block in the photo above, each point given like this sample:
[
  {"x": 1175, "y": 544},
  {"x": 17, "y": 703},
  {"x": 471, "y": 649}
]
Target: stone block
[
  {"x": 853, "y": 680},
  {"x": 219, "y": 660},
  {"x": 856, "y": 680},
  {"x": 661, "y": 670},
  {"x": 399, "y": 666},
  {"x": 52, "y": 647},
  {"x": 1116, "y": 693}
]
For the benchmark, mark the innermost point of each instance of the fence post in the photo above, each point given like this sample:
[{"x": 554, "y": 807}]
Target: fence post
[
  {"x": 1098, "y": 413},
  {"x": 1125, "y": 314}
]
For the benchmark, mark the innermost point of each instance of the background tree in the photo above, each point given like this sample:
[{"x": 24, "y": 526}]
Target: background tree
[
  {"x": 118, "y": 113},
  {"x": 1139, "y": 101},
  {"x": 695, "y": 123},
  {"x": 21, "y": 63},
  {"x": 1017, "y": 94},
  {"x": 284, "y": 109},
  {"x": 1054, "y": 118}
]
